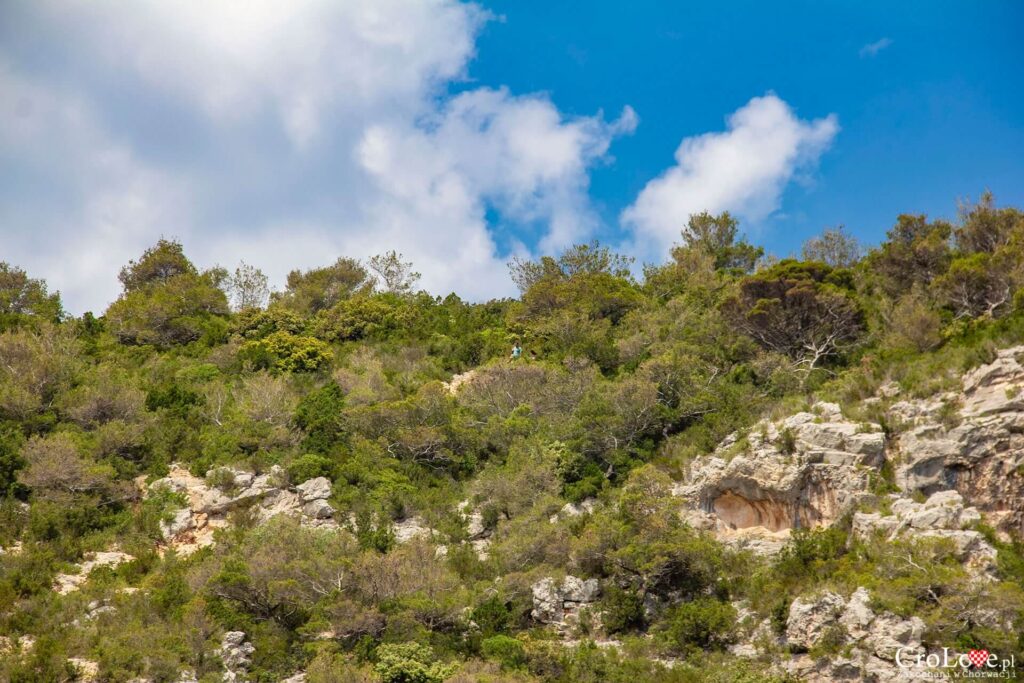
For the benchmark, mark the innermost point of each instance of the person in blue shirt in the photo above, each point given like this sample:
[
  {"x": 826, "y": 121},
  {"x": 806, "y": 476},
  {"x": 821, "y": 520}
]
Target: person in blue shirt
[{"x": 517, "y": 350}]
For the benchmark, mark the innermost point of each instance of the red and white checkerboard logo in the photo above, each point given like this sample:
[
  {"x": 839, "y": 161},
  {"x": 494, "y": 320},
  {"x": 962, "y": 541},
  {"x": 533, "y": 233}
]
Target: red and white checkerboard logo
[{"x": 978, "y": 658}]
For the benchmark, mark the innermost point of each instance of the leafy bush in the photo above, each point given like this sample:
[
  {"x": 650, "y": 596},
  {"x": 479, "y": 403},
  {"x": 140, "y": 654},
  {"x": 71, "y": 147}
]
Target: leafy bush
[
  {"x": 508, "y": 651},
  {"x": 310, "y": 466},
  {"x": 288, "y": 352},
  {"x": 703, "y": 624},
  {"x": 410, "y": 663}
]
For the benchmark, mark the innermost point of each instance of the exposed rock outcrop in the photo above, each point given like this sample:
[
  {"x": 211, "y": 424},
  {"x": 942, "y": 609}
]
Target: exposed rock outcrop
[
  {"x": 192, "y": 527},
  {"x": 411, "y": 528},
  {"x": 868, "y": 641},
  {"x": 236, "y": 655},
  {"x": 66, "y": 583},
  {"x": 971, "y": 441},
  {"x": 942, "y": 515},
  {"x": 559, "y": 604},
  {"x": 804, "y": 471}
]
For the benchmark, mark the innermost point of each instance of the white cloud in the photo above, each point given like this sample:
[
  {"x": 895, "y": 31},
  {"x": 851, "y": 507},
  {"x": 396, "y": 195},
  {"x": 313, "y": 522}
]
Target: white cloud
[
  {"x": 357, "y": 89},
  {"x": 872, "y": 49},
  {"x": 99, "y": 205},
  {"x": 743, "y": 170},
  {"x": 302, "y": 58},
  {"x": 485, "y": 148},
  {"x": 288, "y": 134}
]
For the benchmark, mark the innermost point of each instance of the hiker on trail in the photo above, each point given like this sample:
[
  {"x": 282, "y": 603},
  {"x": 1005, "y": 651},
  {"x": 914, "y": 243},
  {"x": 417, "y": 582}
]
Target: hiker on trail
[{"x": 517, "y": 350}]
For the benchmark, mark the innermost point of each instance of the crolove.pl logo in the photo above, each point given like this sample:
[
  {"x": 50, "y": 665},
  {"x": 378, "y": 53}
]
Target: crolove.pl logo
[{"x": 949, "y": 664}]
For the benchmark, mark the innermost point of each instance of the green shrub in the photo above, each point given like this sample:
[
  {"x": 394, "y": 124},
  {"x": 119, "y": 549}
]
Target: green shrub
[
  {"x": 623, "y": 610},
  {"x": 410, "y": 663},
  {"x": 492, "y": 616},
  {"x": 508, "y": 651},
  {"x": 703, "y": 624},
  {"x": 319, "y": 415},
  {"x": 310, "y": 466},
  {"x": 288, "y": 352}
]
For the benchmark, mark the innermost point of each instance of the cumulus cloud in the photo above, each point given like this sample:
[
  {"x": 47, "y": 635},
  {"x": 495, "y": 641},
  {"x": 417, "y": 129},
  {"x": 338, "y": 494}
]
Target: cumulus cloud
[
  {"x": 97, "y": 205},
  {"x": 282, "y": 134},
  {"x": 872, "y": 49},
  {"x": 743, "y": 170},
  {"x": 302, "y": 59},
  {"x": 288, "y": 134}
]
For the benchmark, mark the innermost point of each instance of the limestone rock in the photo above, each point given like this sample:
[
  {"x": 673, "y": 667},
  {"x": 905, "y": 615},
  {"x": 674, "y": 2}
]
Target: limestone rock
[
  {"x": 556, "y": 603},
  {"x": 66, "y": 583},
  {"x": 236, "y": 654},
  {"x": 980, "y": 451},
  {"x": 942, "y": 515},
  {"x": 869, "y": 642},
  {"x": 578, "y": 590},
  {"x": 87, "y": 670},
  {"x": 806, "y": 470},
  {"x": 180, "y": 522},
  {"x": 411, "y": 528},
  {"x": 547, "y": 601},
  {"x": 808, "y": 619},
  {"x": 318, "y": 509},
  {"x": 314, "y": 489},
  {"x": 208, "y": 507}
]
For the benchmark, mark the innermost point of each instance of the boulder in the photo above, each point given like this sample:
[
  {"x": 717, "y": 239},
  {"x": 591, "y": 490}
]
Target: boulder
[
  {"x": 411, "y": 528},
  {"x": 318, "y": 509},
  {"x": 180, "y": 522},
  {"x": 578, "y": 590},
  {"x": 314, "y": 489},
  {"x": 236, "y": 654},
  {"x": 554, "y": 602},
  {"x": 809, "y": 619},
  {"x": 547, "y": 601}
]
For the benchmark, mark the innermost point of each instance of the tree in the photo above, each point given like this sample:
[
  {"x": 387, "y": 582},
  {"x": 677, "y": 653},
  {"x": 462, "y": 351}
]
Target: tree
[
  {"x": 395, "y": 275},
  {"x": 56, "y": 470},
  {"x": 247, "y": 287},
  {"x": 717, "y": 236},
  {"x": 321, "y": 288},
  {"x": 158, "y": 265},
  {"x": 580, "y": 259},
  {"x": 797, "y": 309},
  {"x": 21, "y": 296},
  {"x": 981, "y": 283},
  {"x": 834, "y": 247},
  {"x": 166, "y": 300},
  {"x": 916, "y": 252},
  {"x": 985, "y": 228}
]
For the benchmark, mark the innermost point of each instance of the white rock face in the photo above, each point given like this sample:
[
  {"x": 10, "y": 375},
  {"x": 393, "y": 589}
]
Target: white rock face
[
  {"x": 408, "y": 529},
  {"x": 804, "y": 471},
  {"x": 559, "y": 603},
  {"x": 870, "y": 639},
  {"x": 942, "y": 515},
  {"x": 808, "y": 619},
  {"x": 236, "y": 654},
  {"x": 180, "y": 522},
  {"x": 66, "y": 583},
  {"x": 314, "y": 489},
  {"x": 87, "y": 670},
  {"x": 980, "y": 453},
  {"x": 192, "y": 528}
]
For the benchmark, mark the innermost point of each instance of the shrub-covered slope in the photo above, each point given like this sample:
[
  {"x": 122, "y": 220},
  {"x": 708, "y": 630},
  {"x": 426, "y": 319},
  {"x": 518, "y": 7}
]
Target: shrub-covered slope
[{"x": 731, "y": 468}]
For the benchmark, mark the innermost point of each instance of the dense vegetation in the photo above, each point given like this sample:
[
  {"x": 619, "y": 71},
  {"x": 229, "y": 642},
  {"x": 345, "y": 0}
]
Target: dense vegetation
[{"x": 342, "y": 375}]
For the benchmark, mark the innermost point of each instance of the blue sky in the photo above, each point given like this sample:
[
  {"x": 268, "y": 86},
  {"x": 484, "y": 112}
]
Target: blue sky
[{"x": 286, "y": 135}]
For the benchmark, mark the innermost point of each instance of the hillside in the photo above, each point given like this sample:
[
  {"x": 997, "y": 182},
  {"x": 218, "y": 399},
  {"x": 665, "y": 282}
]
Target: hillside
[{"x": 733, "y": 468}]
